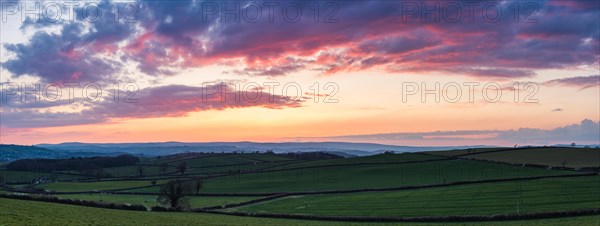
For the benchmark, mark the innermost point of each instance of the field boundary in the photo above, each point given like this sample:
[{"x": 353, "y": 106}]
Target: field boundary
[
  {"x": 77, "y": 202},
  {"x": 502, "y": 217}
]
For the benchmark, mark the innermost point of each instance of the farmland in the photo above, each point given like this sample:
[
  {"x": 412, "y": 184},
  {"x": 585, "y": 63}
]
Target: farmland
[
  {"x": 558, "y": 157},
  {"x": 408, "y": 185},
  {"x": 480, "y": 199}
]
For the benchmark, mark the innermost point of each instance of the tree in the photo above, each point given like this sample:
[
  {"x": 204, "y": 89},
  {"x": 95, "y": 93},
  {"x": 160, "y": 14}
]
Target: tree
[
  {"x": 153, "y": 182},
  {"x": 140, "y": 170},
  {"x": 164, "y": 167},
  {"x": 198, "y": 185},
  {"x": 173, "y": 194},
  {"x": 182, "y": 167},
  {"x": 99, "y": 173},
  {"x": 573, "y": 144}
]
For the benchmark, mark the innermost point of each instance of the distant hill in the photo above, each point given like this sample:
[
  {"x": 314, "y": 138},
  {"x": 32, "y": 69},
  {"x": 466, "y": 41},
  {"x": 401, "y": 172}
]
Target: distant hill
[
  {"x": 167, "y": 148},
  {"x": 11, "y": 152}
]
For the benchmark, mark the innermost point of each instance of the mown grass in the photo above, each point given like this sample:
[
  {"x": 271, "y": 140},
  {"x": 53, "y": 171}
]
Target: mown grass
[
  {"x": 150, "y": 200},
  {"x": 556, "y": 194},
  {"x": 19, "y": 212},
  {"x": 569, "y": 157}
]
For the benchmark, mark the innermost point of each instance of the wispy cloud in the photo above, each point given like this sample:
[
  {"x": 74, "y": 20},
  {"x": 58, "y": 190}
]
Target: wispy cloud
[
  {"x": 163, "y": 101},
  {"x": 581, "y": 82},
  {"x": 586, "y": 131}
]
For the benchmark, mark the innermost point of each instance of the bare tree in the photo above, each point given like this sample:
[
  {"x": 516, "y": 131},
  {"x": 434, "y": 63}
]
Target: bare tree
[
  {"x": 182, "y": 167},
  {"x": 140, "y": 170},
  {"x": 173, "y": 194},
  {"x": 164, "y": 167},
  {"x": 198, "y": 185},
  {"x": 99, "y": 173}
]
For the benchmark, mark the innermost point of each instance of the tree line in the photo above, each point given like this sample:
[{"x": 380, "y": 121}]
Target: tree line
[{"x": 75, "y": 164}]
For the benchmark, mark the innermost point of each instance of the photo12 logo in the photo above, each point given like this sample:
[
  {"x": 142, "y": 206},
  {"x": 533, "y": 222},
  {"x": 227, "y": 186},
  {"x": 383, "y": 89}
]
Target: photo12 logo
[
  {"x": 453, "y": 92},
  {"x": 236, "y": 11},
  {"x": 55, "y": 92},
  {"x": 206, "y": 11},
  {"x": 253, "y": 92},
  {"x": 70, "y": 11}
]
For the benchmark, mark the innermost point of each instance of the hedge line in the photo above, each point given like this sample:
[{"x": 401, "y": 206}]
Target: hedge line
[
  {"x": 53, "y": 199},
  {"x": 231, "y": 205},
  {"x": 501, "y": 217},
  {"x": 539, "y": 166}
]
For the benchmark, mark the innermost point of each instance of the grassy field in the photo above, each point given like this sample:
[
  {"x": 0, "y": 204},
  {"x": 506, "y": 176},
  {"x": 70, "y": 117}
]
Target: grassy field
[
  {"x": 234, "y": 168},
  {"x": 27, "y": 176},
  {"x": 569, "y": 157},
  {"x": 542, "y": 195},
  {"x": 263, "y": 173},
  {"x": 150, "y": 200},
  {"x": 94, "y": 186},
  {"x": 133, "y": 170},
  {"x": 265, "y": 157},
  {"x": 381, "y": 158},
  {"x": 216, "y": 161},
  {"x": 370, "y": 176},
  {"x": 18, "y": 212},
  {"x": 464, "y": 151}
]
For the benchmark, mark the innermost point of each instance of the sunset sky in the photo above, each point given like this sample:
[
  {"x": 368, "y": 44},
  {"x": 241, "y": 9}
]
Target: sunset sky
[{"x": 171, "y": 57}]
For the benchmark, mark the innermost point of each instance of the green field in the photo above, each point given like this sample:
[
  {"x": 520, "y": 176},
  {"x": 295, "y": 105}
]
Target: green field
[
  {"x": 93, "y": 186},
  {"x": 133, "y": 170},
  {"x": 229, "y": 160},
  {"x": 370, "y": 176},
  {"x": 569, "y": 157},
  {"x": 27, "y": 176},
  {"x": 18, "y": 212},
  {"x": 264, "y": 173},
  {"x": 464, "y": 151},
  {"x": 150, "y": 200},
  {"x": 381, "y": 158},
  {"x": 554, "y": 194}
]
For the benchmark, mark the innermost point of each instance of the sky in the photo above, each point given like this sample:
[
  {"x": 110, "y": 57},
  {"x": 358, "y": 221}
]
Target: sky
[{"x": 421, "y": 73}]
